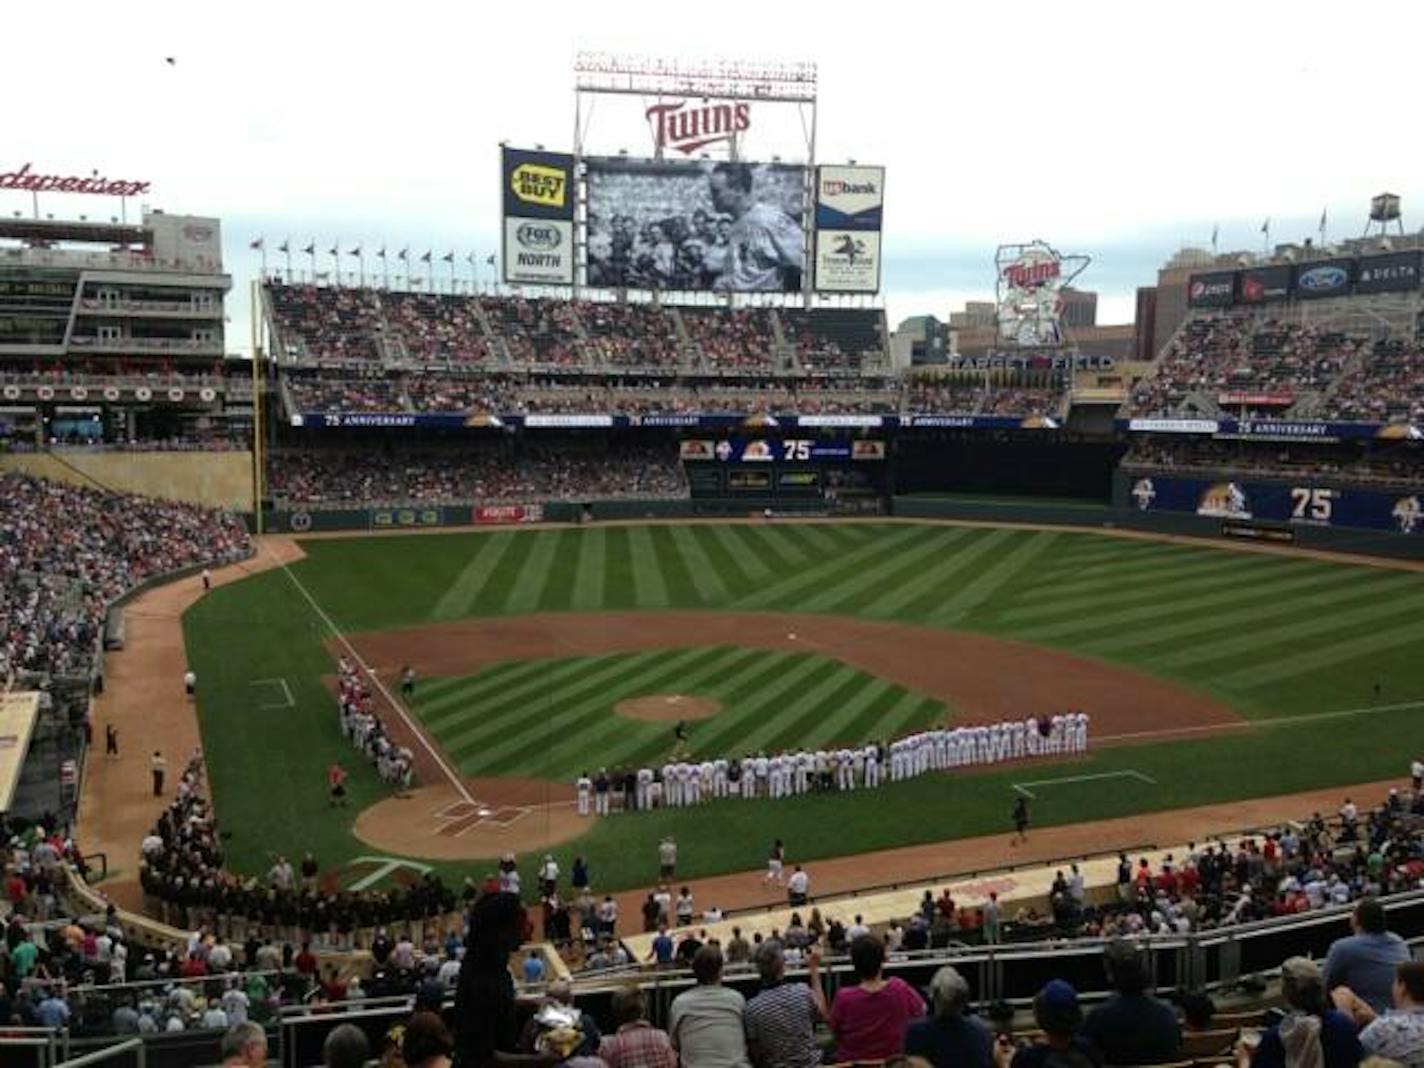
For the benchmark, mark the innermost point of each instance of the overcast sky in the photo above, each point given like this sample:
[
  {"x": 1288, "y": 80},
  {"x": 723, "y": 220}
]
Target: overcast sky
[{"x": 1121, "y": 130}]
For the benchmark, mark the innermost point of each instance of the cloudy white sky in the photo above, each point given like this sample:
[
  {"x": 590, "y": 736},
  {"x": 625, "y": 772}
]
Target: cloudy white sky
[{"x": 1123, "y": 130}]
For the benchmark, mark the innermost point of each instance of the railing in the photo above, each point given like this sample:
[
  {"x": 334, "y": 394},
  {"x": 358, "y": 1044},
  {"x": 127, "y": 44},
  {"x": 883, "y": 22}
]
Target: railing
[
  {"x": 164, "y": 344},
  {"x": 30, "y": 1047},
  {"x": 134, "y": 1046}
]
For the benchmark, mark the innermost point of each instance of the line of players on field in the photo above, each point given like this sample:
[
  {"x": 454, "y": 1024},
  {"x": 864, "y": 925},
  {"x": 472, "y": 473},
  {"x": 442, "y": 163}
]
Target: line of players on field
[{"x": 681, "y": 783}]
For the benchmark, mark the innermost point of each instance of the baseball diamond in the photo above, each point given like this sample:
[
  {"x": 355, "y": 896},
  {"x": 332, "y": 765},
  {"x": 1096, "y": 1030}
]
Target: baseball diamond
[{"x": 524, "y": 642}]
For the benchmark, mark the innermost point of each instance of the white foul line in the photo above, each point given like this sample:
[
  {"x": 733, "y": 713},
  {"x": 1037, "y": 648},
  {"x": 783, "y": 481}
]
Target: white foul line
[
  {"x": 286, "y": 690},
  {"x": 1021, "y": 787},
  {"x": 455, "y": 779},
  {"x": 1273, "y": 721}
]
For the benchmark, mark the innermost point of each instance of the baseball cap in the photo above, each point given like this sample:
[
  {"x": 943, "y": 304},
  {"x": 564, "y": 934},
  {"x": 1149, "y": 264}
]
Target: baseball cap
[{"x": 1058, "y": 994}]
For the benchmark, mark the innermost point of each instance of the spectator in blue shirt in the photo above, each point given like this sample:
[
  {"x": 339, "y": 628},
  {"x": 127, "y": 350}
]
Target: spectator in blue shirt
[
  {"x": 662, "y": 947},
  {"x": 951, "y": 1038},
  {"x": 1366, "y": 961},
  {"x": 534, "y": 967}
]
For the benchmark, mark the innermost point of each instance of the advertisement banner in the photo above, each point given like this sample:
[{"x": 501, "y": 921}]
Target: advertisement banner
[
  {"x": 487, "y": 514},
  {"x": 1215, "y": 289},
  {"x": 1306, "y": 502},
  {"x": 1329, "y": 278},
  {"x": 850, "y": 198},
  {"x": 1264, "y": 285},
  {"x": 847, "y": 261},
  {"x": 383, "y": 518},
  {"x": 1172, "y": 426},
  {"x": 537, "y": 185},
  {"x": 1396, "y": 273},
  {"x": 696, "y": 225},
  {"x": 1241, "y": 398},
  {"x": 539, "y": 251}
]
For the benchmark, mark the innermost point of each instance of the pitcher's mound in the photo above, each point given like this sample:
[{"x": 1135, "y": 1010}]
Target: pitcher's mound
[{"x": 668, "y": 707}]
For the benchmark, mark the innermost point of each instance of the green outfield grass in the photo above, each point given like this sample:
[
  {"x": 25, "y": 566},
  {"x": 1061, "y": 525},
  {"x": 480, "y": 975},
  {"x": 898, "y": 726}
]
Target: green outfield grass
[
  {"x": 1274, "y": 637},
  {"x": 554, "y": 718}
]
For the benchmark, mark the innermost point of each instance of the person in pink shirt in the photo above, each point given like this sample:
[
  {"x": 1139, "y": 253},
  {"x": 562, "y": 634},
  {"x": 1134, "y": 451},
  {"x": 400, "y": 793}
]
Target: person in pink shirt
[{"x": 869, "y": 1019}]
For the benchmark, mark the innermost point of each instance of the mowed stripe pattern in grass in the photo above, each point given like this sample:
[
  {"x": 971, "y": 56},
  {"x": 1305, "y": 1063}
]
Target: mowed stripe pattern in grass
[
  {"x": 1215, "y": 619},
  {"x": 555, "y": 718}
]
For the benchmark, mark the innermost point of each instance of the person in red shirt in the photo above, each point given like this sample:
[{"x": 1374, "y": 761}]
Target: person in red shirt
[
  {"x": 336, "y": 783},
  {"x": 305, "y": 961},
  {"x": 193, "y": 968},
  {"x": 869, "y": 1019}
]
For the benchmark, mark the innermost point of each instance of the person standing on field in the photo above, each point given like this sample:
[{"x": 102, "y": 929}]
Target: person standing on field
[
  {"x": 667, "y": 857},
  {"x": 158, "y": 766},
  {"x": 111, "y": 740}
]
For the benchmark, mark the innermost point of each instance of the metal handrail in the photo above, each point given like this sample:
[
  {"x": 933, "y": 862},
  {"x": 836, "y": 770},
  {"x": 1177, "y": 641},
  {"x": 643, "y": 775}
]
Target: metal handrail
[{"x": 133, "y": 1045}]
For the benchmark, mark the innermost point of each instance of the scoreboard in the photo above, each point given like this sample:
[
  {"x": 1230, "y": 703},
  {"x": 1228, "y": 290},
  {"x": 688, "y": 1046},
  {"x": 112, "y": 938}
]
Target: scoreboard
[{"x": 782, "y": 467}]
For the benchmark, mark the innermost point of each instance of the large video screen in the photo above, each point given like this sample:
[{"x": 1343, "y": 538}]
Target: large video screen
[{"x": 696, "y": 225}]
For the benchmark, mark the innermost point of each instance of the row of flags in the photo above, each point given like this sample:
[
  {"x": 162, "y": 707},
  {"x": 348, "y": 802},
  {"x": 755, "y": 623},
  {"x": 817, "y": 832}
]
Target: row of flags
[
  {"x": 285, "y": 247},
  {"x": 1266, "y": 228}
]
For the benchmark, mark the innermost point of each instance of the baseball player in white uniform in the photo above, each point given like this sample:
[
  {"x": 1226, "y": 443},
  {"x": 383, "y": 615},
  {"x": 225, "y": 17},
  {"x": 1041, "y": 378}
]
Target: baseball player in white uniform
[{"x": 585, "y": 794}]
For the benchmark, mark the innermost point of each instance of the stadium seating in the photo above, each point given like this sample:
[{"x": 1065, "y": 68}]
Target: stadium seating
[
  {"x": 536, "y": 331},
  {"x": 375, "y": 392},
  {"x": 733, "y": 339},
  {"x": 436, "y": 327},
  {"x": 1386, "y": 386},
  {"x": 831, "y": 339},
  {"x": 66, "y": 553},
  {"x": 1397, "y": 465},
  {"x": 634, "y": 335},
  {"x": 324, "y": 323},
  {"x": 532, "y": 472},
  {"x": 1260, "y": 360}
]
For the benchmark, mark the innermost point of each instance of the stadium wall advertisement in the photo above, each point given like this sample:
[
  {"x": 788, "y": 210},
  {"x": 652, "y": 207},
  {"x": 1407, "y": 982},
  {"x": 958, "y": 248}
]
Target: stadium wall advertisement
[
  {"x": 537, "y": 192},
  {"x": 850, "y": 204},
  {"x": 703, "y": 421},
  {"x": 1396, "y": 272},
  {"x": 695, "y": 225},
  {"x": 1306, "y": 502},
  {"x": 1274, "y": 429}
]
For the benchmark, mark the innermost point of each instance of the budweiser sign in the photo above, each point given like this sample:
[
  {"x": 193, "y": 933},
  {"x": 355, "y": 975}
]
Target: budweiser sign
[
  {"x": 31, "y": 182},
  {"x": 677, "y": 125}
]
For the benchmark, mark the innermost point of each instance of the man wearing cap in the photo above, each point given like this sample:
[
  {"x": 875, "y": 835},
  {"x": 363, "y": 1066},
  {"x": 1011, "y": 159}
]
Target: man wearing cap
[
  {"x": 1132, "y": 1027},
  {"x": 953, "y": 1035},
  {"x": 1058, "y": 1015},
  {"x": 1366, "y": 960}
]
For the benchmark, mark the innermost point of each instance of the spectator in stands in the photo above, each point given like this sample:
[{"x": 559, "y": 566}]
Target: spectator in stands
[
  {"x": 244, "y": 1046},
  {"x": 870, "y": 1019},
  {"x": 706, "y": 1022},
  {"x": 1312, "y": 1034},
  {"x": 781, "y": 1019},
  {"x": 1365, "y": 961},
  {"x": 1132, "y": 1027},
  {"x": 1059, "y": 1017},
  {"x": 952, "y": 1037},
  {"x": 1397, "y": 1034},
  {"x": 484, "y": 997},
  {"x": 345, "y": 1047},
  {"x": 636, "y": 1043},
  {"x": 428, "y": 1043}
]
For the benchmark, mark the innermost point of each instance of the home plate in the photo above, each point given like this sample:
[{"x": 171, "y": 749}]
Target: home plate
[{"x": 486, "y": 812}]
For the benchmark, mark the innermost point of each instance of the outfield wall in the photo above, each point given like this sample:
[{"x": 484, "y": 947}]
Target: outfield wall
[
  {"x": 1181, "y": 524},
  {"x": 214, "y": 479},
  {"x": 295, "y": 520}
]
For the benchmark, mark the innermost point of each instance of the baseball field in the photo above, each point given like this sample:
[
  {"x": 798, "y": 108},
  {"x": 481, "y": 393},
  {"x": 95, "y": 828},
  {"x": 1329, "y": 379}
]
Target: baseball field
[{"x": 1210, "y": 675}]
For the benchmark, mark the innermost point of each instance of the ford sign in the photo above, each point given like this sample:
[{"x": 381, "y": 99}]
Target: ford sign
[
  {"x": 1323, "y": 279},
  {"x": 536, "y": 235}
]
